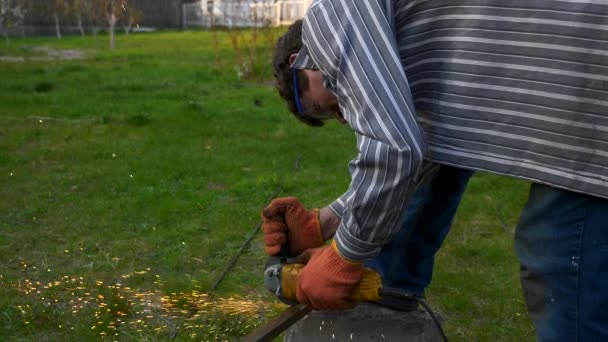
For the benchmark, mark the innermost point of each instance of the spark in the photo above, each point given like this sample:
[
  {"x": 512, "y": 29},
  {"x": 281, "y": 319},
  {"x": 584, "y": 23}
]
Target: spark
[{"x": 148, "y": 309}]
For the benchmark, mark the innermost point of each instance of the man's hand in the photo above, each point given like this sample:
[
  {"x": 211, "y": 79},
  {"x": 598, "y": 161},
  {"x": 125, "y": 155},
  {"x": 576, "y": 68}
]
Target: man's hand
[
  {"x": 288, "y": 216},
  {"x": 327, "y": 279}
]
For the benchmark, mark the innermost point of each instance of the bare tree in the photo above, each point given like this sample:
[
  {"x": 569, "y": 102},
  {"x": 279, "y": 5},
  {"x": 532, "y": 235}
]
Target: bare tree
[
  {"x": 79, "y": 9},
  {"x": 60, "y": 9},
  {"x": 132, "y": 16},
  {"x": 12, "y": 14},
  {"x": 18, "y": 10},
  {"x": 96, "y": 13},
  {"x": 114, "y": 11},
  {"x": 5, "y": 18},
  {"x": 231, "y": 12},
  {"x": 212, "y": 26},
  {"x": 112, "y": 15}
]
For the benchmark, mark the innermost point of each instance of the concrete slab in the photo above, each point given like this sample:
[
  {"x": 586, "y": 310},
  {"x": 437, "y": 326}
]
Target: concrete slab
[{"x": 366, "y": 322}]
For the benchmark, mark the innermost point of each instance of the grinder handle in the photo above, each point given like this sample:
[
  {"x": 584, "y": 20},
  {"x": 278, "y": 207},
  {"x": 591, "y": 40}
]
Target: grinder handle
[{"x": 367, "y": 290}]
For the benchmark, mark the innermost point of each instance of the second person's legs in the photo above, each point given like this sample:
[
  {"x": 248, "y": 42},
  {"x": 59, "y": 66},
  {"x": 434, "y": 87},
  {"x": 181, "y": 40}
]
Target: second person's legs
[{"x": 562, "y": 244}]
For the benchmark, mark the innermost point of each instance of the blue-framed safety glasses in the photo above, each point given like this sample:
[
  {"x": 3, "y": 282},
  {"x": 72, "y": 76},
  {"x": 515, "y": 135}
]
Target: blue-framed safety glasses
[{"x": 296, "y": 86}]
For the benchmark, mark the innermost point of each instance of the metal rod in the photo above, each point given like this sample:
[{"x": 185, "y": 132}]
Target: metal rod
[
  {"x": 275, "y": 327},
  {"x": 243, "y": 246}
]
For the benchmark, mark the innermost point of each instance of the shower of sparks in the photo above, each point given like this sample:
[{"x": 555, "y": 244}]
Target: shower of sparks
[{"x": 112, "y": 307}]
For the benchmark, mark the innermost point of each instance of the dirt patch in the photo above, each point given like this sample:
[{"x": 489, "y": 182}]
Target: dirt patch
[
  {"x": 46, "y": 53},
  {"x": 12, "y": 59},
  {"x": 216, "y": 187}
]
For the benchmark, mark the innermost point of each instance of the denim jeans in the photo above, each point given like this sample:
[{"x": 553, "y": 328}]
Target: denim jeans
[
  {"x": 407, "y": 261},
  {"x": 562, "y": 245}
]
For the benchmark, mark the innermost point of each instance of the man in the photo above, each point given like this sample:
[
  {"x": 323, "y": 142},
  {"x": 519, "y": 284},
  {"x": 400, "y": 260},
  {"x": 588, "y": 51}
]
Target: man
[
  {"x": 512, "y": 87},
  {"x": 407, "y": 261}
]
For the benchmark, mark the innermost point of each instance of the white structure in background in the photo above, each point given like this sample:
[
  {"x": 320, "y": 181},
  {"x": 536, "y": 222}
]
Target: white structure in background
[{"x": 243, "y": 13}]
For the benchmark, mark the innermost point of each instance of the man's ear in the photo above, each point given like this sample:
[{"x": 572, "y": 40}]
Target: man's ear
[{"x": 292, "y": 58}]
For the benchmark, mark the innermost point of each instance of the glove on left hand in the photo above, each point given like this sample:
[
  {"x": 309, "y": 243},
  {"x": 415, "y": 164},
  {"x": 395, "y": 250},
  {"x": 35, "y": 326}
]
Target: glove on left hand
[{"x": 286, "y": 219}]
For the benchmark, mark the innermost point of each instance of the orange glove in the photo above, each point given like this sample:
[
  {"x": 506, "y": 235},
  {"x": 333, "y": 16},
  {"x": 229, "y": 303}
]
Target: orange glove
[
  {"x": 288, "y": 215},
  {"x": 327, "y": 279}
]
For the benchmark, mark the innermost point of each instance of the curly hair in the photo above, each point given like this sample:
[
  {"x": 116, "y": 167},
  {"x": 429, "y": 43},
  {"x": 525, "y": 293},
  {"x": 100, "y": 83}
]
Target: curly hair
[{"x": 288, "y": 44}]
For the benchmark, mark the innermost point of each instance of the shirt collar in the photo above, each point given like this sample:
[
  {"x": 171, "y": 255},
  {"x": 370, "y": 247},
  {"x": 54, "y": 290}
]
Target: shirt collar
[{"x": 303, "y": 60}]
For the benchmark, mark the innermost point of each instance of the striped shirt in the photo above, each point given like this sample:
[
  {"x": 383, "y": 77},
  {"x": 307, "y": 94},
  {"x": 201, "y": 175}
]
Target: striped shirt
[{"x": 515, "y": 87}]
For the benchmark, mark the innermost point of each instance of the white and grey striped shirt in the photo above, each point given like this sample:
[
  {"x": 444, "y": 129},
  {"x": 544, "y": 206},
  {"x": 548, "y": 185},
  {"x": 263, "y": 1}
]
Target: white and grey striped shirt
[{"x": 515, "y": 87}]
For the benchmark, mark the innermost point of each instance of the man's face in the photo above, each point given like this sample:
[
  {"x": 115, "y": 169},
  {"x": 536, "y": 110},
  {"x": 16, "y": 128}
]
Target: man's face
[{"x": 317, "y": 101}]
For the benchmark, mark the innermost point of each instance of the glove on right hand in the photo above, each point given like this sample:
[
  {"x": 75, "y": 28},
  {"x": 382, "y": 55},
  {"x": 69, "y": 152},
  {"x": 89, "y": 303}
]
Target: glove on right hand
[
  {"x": 327, "y": 279},
  {"x": 288, "y": 216}
]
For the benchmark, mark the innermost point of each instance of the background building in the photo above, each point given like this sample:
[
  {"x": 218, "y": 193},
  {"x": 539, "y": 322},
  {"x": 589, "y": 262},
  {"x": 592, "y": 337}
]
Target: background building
[
  {"x": 243, "y": 13},
  {"x": 73, "y": 16}
]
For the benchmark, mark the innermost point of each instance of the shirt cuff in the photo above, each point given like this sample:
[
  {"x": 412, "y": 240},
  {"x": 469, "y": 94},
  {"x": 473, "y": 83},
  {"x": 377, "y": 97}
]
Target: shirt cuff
[
  {"x": 337, "y": 207},
  {"x": 353, "y": 249}
]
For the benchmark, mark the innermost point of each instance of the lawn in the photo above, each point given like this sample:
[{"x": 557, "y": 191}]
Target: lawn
[{"x": 130, "y": 177}]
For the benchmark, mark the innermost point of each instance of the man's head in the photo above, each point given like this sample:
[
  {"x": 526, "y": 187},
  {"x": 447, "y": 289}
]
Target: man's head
[{"x": 316, "y": 103}]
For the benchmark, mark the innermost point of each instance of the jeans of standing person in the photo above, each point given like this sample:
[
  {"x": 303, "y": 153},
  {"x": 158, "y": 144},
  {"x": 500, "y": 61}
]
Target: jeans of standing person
[
  {"x": 562, "y": 245},
  {"x": 406, "y": 263}
]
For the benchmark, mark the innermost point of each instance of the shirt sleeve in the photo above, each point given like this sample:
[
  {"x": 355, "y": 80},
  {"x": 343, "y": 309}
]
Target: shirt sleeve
[{"x": 353, "y": 44}]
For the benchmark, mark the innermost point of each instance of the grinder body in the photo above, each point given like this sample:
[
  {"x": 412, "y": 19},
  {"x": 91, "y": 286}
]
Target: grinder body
[{"x": 281, "y": 278}]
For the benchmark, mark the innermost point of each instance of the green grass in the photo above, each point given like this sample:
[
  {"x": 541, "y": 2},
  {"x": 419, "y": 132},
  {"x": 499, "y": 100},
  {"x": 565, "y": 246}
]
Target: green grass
[{"x": 128, "y": 179}]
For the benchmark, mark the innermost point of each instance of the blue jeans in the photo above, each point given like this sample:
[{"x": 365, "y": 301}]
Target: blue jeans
[
  {"x": 407, "y": 261},
  {"x": 562, "y": 244}
]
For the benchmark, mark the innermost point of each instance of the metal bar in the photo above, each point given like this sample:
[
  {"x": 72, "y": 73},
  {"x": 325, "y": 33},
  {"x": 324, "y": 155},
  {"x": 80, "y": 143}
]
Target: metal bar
[
  {"x": 235, "y": 258},
  {"x": 274, "y": 328}
]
